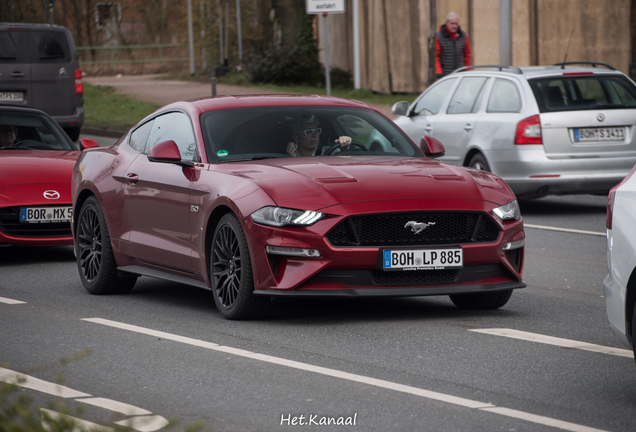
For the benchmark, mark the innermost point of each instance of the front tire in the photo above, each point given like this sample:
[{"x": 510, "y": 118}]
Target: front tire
[
  {"x": 95, "y": 260},
  {"x": 479, "y": 162},
  {"x": 493, "y": 300},
  {"x": 231, "y": 273}
]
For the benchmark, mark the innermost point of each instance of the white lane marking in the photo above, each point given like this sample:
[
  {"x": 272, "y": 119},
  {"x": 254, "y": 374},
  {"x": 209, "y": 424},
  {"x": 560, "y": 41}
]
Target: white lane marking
[
  {"x": 12, "y": 377},
  {"x": 147, "y": 423},
  {"x": 144, "y": 423},
  {"x": 10, "y": 301},
  {"x": 113, "y": 405},
  {"x": 550, "y": 340},
  {"x": 547, "y": 421},
  {"x": 85, "y": 425},
  {"x": 568, "y": 230}
]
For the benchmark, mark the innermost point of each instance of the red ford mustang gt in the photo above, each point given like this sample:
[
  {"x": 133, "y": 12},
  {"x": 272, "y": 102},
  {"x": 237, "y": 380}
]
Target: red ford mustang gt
[
  {"x": 258, "y": 197},
  {"x": 36, "y": 164}
]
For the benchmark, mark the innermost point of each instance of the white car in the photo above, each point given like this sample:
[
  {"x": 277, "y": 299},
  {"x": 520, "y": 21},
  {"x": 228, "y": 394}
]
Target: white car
[{"x": 620, "y": 282}]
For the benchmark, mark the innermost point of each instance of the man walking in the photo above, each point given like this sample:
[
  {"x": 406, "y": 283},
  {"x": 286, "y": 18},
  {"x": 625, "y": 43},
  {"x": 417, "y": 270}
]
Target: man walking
[{"x": 452, "y": 47}]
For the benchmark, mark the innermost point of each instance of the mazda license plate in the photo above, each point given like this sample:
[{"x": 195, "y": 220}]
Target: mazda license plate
[
  {"x": 45, "y": 214},
  {"x": 422, "y": 259}
]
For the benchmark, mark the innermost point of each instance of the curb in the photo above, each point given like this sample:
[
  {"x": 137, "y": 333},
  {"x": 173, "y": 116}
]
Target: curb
[{"x": 110, "y": 133}]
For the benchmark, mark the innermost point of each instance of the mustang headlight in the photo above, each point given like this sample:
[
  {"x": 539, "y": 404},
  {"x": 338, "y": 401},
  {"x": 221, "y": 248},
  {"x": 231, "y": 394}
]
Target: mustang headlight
[
  {"x": 509, "y": 211},
  {"x": 279, "y": 216}
]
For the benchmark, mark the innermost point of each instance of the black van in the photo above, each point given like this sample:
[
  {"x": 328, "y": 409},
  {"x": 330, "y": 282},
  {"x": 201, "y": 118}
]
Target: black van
[{"x": 39, "y": 68}]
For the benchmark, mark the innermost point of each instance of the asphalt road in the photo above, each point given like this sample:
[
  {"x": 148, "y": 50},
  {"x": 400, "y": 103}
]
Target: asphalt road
[{"x": 163, "y": 351}]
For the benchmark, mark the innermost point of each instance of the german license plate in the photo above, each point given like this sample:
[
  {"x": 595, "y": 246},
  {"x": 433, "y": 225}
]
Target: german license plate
[
  {"x": 45, "y": 214},
  {"x": 12, "y": 96},
  {"x": 615, "y": 134},
  {"x": 422, "y": 259}
]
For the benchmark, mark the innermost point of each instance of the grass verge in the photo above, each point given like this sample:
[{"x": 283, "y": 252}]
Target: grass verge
[
  {"x": 105, "y": 109},
  {"x": 239, "y": 79}
]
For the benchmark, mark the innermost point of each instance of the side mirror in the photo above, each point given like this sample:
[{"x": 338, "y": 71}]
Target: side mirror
[
  {"x": 167, "y": 152},
  {"x": 431, "y": 147},
  {"x": 86, "y": 143},
  {"x": 400, "y": 108}
]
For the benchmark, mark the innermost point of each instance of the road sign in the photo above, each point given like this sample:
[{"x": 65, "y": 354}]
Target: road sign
[{"x": 315, "y": 7}]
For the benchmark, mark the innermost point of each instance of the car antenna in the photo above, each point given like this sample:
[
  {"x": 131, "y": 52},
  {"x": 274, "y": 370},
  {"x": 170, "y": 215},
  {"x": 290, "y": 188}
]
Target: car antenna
[{"x": 566, "y": 50}]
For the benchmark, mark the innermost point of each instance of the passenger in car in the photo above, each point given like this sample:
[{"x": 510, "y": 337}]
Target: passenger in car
[
  {"x": 8, "y": 135},
  {"x": 306, "y": 139}
]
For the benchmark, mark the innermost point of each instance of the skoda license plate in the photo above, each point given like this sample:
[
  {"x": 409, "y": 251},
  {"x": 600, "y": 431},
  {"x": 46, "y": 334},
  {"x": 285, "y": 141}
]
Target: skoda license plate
[
  {"x": 611, "y": 134},
  {"x": 422, "y": 259},
  {"x": 45, "y": 214}
]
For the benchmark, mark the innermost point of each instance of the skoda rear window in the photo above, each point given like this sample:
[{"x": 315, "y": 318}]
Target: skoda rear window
[
  {"x": 49, "y": 47},
  {"x": 584, "y": 92}
]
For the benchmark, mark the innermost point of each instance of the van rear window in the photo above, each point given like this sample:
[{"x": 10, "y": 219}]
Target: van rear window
[
  {"x": 584, "y": 92},
  {"x": 49, "y": 47},
  {"x": 9, "y": 46}
]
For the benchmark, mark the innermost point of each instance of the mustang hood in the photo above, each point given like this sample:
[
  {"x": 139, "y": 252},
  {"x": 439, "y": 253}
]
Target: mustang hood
[
  {"x": 25, "y": 176},
  {"x": 318, "y": 183}
]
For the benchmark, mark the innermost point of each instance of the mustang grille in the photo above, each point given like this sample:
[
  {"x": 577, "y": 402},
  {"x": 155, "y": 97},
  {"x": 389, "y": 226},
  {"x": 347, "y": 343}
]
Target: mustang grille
[
  {"x": 388, "y": 230},
  {"x": 10, "y": 224}
]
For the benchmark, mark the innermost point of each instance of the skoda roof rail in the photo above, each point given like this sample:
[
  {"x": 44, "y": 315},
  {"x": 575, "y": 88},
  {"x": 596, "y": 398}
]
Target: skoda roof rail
[
  {"x": 593, "y": 64},
  {"x": 514, "y": 69}
]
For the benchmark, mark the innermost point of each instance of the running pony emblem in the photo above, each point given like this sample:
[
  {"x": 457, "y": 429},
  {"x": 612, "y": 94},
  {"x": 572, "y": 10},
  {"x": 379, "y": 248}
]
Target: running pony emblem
[{"x": 418, "y": 227}]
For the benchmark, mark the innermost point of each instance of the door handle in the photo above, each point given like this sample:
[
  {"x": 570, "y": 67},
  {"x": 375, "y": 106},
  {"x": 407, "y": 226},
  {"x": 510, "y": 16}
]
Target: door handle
[
  {"x": 132, "y": 178},
  {"x": 428, "y": 128},
  {"x": 468, "y": 127},
  {"x": 18, "y": 74}
]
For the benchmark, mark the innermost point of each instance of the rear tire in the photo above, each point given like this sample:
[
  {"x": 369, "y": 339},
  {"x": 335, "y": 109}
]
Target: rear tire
[
  {"x": 231, "y": 273},
  {"x": 95, "y": 260},
  {"x": 634, "y": 332},
  {"x": 479, "y": 162},
  {"x": 493, "y": 300}
]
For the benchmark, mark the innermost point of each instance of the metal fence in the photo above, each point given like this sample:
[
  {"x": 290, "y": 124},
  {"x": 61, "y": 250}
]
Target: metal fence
[{"x": 134, "y": 54}]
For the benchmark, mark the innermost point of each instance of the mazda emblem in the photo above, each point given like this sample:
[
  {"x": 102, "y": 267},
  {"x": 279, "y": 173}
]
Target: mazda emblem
[
  {"x": 51, "y": 194},
  {"x": 600, "y": 117},
  {"x": 418, "y": 227}
]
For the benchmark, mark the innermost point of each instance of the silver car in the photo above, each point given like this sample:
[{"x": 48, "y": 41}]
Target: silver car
[{"x": 560, "y": 129}]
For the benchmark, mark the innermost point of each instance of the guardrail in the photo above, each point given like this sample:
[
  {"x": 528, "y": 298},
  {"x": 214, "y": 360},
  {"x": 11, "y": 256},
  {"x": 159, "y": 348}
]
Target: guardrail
[{"x": 112, "y": 61}]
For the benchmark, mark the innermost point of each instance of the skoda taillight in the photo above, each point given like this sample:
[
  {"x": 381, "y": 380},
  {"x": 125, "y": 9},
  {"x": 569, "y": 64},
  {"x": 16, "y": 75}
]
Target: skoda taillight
[{"x": 529, "y": 131}]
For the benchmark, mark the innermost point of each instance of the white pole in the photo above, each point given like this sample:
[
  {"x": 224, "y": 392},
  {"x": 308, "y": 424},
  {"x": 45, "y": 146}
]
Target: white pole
[
  {"x": 356, "y": 45},
  {"x": 190, "y": 37},
  {"x": 326, "y": 39},
  {"x": 505, "y": 32},
  {"x": 238, "y": 23}
]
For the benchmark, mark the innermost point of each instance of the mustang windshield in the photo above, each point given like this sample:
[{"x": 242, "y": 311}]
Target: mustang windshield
[{"x": 265, "y": 132}]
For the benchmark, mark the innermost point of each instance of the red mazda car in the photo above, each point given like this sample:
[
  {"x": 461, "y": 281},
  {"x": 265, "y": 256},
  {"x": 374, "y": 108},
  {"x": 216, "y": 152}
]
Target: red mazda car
[
  {"x": 256, "y": 197},
  {"x": 36, "y": 164}
]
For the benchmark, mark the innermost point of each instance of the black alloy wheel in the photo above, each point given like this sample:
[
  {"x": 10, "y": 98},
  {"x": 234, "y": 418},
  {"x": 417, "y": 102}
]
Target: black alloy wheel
[
  {"x": 95, "y": 260},
  {"x": 231, "y": 272}
]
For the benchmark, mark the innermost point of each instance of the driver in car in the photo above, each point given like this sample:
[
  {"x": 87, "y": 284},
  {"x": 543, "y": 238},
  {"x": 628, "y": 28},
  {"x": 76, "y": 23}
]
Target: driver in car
[
  {"x": 306, "y": 138},
  {"x": 8, "y": 135}
]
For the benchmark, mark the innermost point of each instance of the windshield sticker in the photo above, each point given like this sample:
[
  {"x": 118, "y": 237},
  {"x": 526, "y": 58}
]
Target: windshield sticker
[{"x": 222, "y": 153}]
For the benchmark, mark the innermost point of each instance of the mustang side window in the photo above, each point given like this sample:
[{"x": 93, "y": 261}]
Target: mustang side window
[
  {"x": 139, "y": 137},
  {"x": 175, "y": 126},
  {"x": 504, "y": 97}
]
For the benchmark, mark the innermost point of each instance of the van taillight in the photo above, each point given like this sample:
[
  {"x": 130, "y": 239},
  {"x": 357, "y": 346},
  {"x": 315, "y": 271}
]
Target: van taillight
[
  {"x": 79, "y": 87},
  {"x": 529, "y": 131}
]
